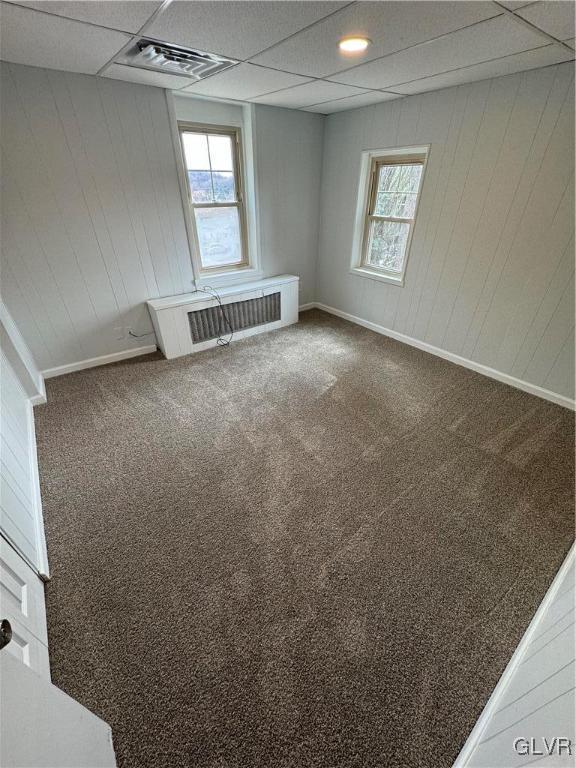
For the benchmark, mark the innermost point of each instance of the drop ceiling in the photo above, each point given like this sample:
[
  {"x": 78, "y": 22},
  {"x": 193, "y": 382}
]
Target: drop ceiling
[{"x": 287, "y": 51}]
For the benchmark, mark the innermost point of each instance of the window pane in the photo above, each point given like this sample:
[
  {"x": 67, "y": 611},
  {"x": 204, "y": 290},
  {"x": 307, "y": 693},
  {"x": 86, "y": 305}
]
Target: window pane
[
  {"x": 387, "y": 245},
  {"x": 201, "y": 186},
  {"x": 196, "y": 151},
  {"x": 219, "y": 236},
  {"x": 224, "y": 191},
  {"x": 221, "y": 153},
  {"x": 397, "y": 190}
]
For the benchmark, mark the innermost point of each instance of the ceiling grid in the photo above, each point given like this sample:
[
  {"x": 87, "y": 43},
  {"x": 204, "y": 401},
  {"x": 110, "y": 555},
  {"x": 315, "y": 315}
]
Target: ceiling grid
[{"x": 287, "y": 52}]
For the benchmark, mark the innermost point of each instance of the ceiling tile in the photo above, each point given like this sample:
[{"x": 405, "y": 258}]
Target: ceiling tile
[
  {"x": 245, "y": 81},
  {"x": 37, "y": 39},
  {"x": 541, "y": 57},
  {"x": 352, "y": 102},
  {"x": 235, "y": 29},
  {"x": 391, "y": 26},
  {"x": 125, "y": 15},
  {"x": 491, "y": 39},
  {"x": 556, "y": 17},
  {"x": 513, "y": 4},
  {"x": 145, "y": 76},
  {"x": 311, "y": 93}
]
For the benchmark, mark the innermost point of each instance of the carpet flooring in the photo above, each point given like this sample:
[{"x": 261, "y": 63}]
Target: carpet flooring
[{"x": 317, "y": 548}]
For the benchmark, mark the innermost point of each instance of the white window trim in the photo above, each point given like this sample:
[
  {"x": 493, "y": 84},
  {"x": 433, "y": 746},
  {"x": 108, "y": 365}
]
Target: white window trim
[
  {"x": 368, "y": 156},
  {"x": 235, "y": 133},
  {"x": 228, "y": 276}
]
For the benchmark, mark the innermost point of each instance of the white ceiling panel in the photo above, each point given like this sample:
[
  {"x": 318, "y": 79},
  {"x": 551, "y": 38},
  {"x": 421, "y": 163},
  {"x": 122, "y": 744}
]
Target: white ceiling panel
[
  {"x": 556, "y": 17},
  {"x": 245, "y": 81},
  {"x": 390, "y": 25},
  {"x": 513, "y": 4},
  {"x": 235, "y": 29},
  {"x": 541, "y": 57},
  {"x": 145, "y": 76},
  {"x": 306, "y": 95},
  {"x": 352, "y": 102},
  {"x": 491, "y": 39},
  {"x": 125, "y": 15},
  {"x": 41, "y": 40}
]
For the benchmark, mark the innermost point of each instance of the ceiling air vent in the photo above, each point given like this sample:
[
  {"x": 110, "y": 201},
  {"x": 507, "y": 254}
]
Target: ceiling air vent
[{"x": 150, "y": 54}]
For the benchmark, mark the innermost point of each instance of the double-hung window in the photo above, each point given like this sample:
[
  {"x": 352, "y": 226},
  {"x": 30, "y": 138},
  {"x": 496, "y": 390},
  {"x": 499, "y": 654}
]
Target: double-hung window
[
  {"x": 390, "y": 188},
  {"x": 213, "y": 163}
]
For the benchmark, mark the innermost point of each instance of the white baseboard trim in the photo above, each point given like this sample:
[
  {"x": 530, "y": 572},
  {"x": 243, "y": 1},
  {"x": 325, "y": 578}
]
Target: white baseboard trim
[
  {"x": 38, "y": 400},
  {"x": 493, "y": 702},
  {"x": 492, "y": 373},
  {"x": 310, "y": 305},
  {"x": 92, "y": 362}
]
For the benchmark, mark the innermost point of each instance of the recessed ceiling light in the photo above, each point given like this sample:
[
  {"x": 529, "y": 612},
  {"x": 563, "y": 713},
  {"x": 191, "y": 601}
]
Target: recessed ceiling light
[{"x": 353, "y": 44}]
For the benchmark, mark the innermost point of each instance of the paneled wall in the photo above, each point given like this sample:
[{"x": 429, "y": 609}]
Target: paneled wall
[
  {"x": 92, "y": 222},
  {"x": 288, "y": 146},
  {"x": 286, "y": 167},
  {"x": 20, "y": 510},
  {"x": 490, "y": 275},
  {"x": 93, "y": 225}
]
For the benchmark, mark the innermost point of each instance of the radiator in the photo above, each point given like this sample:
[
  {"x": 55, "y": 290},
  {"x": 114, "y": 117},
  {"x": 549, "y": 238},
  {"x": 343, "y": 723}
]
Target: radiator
[
  {"x": 209, "y": 323},
  {"x": 192, "y": 322}
]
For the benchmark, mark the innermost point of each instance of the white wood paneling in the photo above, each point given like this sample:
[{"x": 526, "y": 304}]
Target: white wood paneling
[
  {"x": 20, "y": 358},
  {"x": 91, "y": 213},
  {"x": 20, "y": 505},
  {"x": 288, "y": 159},
  {"x": 490, "y": 272},
  {"x": 283, "y": 165},
  {"x": 535, "y": 697}
]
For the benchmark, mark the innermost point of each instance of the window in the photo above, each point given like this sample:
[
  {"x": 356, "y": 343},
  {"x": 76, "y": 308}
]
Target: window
[
  {"x": 391, "y": 185},
  {"x": 213, "y": 169}
]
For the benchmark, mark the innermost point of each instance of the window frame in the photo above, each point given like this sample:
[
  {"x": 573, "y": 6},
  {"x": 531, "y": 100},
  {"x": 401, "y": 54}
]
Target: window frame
[
  {"x": 235, "y": 133},
  {"x": 372, "y": 161}
]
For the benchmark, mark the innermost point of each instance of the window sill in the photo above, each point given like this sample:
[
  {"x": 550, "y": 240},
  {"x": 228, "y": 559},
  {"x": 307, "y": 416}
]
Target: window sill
[
  {"x": 374, "y": 275},
  {"x": 231, "y": 277}
]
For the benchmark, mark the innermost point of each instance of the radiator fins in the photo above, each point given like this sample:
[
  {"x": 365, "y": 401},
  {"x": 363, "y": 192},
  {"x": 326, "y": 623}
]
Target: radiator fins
[{"x": 206, "y": 324}]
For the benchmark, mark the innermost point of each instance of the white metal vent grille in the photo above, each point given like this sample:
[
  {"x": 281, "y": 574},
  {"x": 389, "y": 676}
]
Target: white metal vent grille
[
  {"x": 150, "y": 54},
  {"x": 206, "y": 324}
]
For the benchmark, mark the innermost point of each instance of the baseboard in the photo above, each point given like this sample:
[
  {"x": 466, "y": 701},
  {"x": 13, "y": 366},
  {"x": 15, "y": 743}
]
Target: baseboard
[
  {"x": 492, "y": 706},
  {"x": 485, "y": 370},
  {"x": 492, "y": 373},
  {"x": 38, "y": 400},
  {"x": 92, "y": 362}
]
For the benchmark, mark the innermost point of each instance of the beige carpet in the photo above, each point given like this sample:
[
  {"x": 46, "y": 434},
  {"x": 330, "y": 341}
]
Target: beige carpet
[{"x": 316, "y": 548}]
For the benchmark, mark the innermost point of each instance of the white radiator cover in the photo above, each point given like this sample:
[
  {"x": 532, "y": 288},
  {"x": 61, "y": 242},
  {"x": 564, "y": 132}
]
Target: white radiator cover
[{"x": 170, "y": 315}]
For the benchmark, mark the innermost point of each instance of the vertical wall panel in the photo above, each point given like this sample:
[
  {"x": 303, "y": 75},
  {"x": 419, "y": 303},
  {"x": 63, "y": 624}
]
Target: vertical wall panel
[
  {"x": 19, "y": 502},
  {"x": 525, "y": 114},
  {"x": 489, "y": 275},
  {"x": 288, "y": 147},
  {"x": 91, "y": 213}
]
